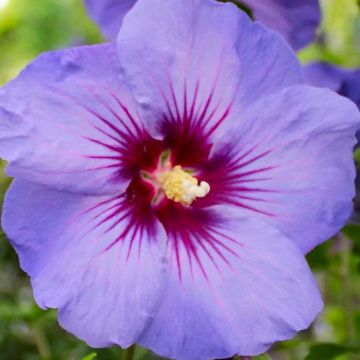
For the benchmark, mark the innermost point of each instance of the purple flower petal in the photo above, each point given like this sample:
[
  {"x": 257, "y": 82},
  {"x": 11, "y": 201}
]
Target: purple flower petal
[
  {"x": 261, "y": 291},
  {"x": 66, "y": 121},
  {"x": 297, "y": 21},
  {"x": 215, "y": 56},
  {"x": 247, "y": 287},
  {"x": 290, "y": 161},
  {"x": 346, "y": 82},
  {"x": 108, "y": 14},
  {"x": 84, "y": 258}
]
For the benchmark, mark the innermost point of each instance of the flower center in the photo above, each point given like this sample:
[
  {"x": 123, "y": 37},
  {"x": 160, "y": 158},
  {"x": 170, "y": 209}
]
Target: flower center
[{"x": 181, "y": 187}]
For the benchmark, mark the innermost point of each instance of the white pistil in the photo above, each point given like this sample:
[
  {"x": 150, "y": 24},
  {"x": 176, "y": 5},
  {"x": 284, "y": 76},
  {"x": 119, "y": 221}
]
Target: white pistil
[{"x": 191, "y": 191}]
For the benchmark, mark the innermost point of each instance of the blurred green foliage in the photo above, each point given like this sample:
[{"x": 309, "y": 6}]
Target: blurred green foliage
[
  {"x": 28, "y": 28},
  {"x": 338, "y": 39}
]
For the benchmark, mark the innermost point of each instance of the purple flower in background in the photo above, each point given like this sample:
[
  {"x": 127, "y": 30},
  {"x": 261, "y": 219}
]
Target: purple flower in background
[
  {"x": 109, "y": 14},
  {"x": 165, "y": 184},
  {"x": 345, "y": 82},
  {"x": 297, "y": 21}
]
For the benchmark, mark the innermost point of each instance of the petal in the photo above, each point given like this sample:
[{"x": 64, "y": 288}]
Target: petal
[
  {"x": 260, "y": 291},
  {"x": 67, "y": 120},
  {"x": 344, "y": 81},
  {"x": 103, "y": 270},
  {"x": 108, "y": 14},
  {"x": 297, "y": 21},
  {"x": 193, "y": 72},
  {"x": 290, "y": 161}
]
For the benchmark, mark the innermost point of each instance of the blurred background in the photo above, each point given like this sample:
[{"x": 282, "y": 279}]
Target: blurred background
[{"x": 28, "y": 28}]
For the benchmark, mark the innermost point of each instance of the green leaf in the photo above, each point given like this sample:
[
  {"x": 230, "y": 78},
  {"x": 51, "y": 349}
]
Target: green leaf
[
  {"x": 90, "y": 356},
  {"x": 143, "y": 354},
  {"x": 357, "y": 156},
  {"x": 352, "y": 231},
  {"x": 262, "y": 357},
  {"x": 318, "y": 258},
  {"x": 326, "y": 351}
]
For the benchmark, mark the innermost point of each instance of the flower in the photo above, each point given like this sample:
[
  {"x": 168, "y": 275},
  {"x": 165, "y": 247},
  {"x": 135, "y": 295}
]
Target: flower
[
  {"x": 297, "y": 21},
  {"x": 108, "y": 14},
  {"x": 344, "y": 81},
  {"x": 165, "y": 184}
]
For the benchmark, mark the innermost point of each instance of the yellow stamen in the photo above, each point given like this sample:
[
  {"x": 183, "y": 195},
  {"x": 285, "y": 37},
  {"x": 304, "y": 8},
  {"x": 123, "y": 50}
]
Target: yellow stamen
[{"x": 180, "y": 186}]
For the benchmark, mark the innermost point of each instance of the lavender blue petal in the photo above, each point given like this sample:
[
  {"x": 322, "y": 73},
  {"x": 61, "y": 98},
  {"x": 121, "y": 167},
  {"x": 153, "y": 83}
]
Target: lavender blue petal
[
  {"x": 296, "y": 21},
  {"x": 105, "y": 296},
  {"x": 58, "y": 111},
  {"x": 264, "y": 292},
  {"x": 108, "y": 14},
  {"x": 294, "y": 156},
  {"x": 180, "y": 66},
  {"x": 345, "y": 82}
]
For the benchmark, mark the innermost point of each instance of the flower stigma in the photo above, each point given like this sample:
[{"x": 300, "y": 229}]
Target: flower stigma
[{"x": 180, "y": 186}]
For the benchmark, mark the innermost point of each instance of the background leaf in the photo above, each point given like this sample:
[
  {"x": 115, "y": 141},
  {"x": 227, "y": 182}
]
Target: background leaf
[
  {"x": 328, "y": 351},
  {"x": 90, "y": 356}
]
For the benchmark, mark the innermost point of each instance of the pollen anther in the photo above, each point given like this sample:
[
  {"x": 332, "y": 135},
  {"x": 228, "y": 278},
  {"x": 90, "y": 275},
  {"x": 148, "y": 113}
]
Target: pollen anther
[{"x": 180, "y": 186}]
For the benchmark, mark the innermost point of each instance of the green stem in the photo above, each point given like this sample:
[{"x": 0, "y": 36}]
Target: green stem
[
  {"x": 345, "y": 275},
  {"x": 41, "y": 343},
  {"x": 130, "y": 353}
]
